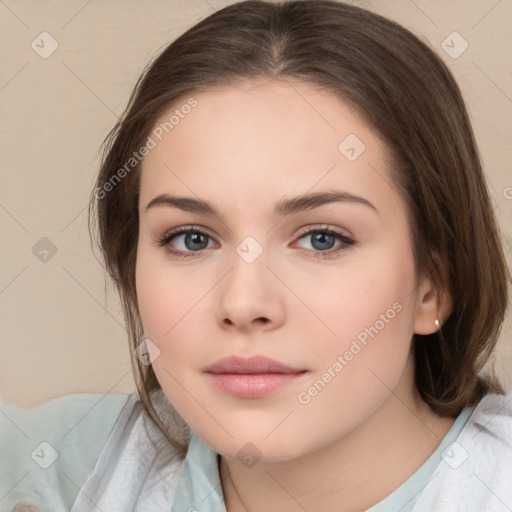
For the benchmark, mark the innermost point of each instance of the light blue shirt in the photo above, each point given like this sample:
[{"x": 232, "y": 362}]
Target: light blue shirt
[{"x": 48, "y": 451}]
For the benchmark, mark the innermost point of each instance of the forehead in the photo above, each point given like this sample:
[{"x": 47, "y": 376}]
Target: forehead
[
  {"x": 270, "y": 112},
  {"x": 260, "y": 139}
]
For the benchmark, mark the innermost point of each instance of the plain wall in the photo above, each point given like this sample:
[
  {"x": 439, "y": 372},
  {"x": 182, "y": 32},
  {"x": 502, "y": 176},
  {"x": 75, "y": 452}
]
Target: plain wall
[{"x": 61, "y": 331}]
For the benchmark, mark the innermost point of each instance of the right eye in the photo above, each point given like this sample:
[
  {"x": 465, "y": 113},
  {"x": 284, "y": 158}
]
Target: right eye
[{"x": 191, "y": 240}]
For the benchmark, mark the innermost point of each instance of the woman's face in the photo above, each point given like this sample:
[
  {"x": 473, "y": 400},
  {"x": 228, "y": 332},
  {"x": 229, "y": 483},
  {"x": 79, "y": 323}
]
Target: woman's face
[{"x": 326, "y": 287}]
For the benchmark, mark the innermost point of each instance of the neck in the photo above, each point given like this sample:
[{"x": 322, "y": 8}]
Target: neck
[{"x": 351, "y": 474}]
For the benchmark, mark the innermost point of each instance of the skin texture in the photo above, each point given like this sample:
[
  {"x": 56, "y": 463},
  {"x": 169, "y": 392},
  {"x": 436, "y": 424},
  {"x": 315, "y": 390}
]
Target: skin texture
[{"x": 366, "y": 431}]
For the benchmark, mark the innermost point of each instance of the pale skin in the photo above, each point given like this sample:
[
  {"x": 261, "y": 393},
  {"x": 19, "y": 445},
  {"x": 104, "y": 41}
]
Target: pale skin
[{"x": 243, "y": 149}]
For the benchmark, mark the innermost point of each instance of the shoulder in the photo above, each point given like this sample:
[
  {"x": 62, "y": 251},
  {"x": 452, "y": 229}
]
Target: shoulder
[
  {"x": 138, "y": 465},
  {"x": 476, "y": 468},
  {"x": 47, "y": 451},
  {"x": 487, "y": 435},
  {"x": 493, "y": 417}
]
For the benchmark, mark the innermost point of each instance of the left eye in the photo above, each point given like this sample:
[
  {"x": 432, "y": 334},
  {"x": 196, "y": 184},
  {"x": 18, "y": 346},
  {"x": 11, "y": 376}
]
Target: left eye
[{"x": 324, "y": 239}]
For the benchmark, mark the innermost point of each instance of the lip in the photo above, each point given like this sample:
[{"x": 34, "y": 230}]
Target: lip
[
  {"x": 252, "y": 377},
  {"x": 250, "y": 365}
]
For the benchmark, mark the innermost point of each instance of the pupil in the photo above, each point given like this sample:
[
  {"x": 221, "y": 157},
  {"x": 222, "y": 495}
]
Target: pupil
[
  {"x": 195, "y": 238},
  {"x": 321, "y": 238}
]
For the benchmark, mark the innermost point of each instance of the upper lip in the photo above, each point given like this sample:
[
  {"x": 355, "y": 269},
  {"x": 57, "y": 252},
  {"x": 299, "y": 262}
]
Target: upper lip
[{"x": 251, "y": 365}]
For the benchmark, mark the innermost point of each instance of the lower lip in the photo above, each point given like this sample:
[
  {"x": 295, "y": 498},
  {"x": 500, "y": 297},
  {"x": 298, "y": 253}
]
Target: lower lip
[{"x": 243, "y": 385}]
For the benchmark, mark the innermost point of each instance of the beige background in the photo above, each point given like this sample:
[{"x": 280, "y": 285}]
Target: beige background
[{"x": 61, "y": 330}]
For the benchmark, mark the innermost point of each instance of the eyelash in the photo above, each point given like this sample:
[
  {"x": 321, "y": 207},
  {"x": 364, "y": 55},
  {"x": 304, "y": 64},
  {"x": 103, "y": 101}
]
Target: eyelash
[{"x": 346, "y": 242}]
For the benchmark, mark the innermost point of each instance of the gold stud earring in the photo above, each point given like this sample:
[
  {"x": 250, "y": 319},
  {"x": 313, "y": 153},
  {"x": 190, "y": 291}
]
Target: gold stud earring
[{"x": 438, "y": 325}]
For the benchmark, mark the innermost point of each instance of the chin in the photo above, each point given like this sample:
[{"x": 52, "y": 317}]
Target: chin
[{"x": 253, "y": 445}]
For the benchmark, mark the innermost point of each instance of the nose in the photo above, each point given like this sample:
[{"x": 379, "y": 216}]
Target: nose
[{"x": 250, "y": 297}]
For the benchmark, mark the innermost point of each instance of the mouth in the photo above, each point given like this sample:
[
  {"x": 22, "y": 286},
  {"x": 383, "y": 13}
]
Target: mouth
[
  {"x": 250, "y": 366},
  {"x": 252, "y": 377}
]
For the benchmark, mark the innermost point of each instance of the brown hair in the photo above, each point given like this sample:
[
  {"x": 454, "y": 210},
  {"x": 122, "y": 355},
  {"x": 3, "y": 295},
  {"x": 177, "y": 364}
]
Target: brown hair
[{"x": 403, "y": 89}]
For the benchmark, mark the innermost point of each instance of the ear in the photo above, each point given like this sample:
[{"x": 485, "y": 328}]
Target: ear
[{"x": 430, "y": 305}]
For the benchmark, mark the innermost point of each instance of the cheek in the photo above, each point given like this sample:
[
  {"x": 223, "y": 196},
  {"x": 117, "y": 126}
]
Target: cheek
[
  {"x": 166, "y": 306},
  {"x": 165, "y": 294},
  {"x": 370, "y": 292},
  {"x": 173, "y": 305},
  {"x": 369, "y": 310}
]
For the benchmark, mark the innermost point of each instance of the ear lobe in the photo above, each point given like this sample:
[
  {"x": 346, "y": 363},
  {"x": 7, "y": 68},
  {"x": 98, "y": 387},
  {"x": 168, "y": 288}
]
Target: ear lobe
[{"x": 433, "y": 304}]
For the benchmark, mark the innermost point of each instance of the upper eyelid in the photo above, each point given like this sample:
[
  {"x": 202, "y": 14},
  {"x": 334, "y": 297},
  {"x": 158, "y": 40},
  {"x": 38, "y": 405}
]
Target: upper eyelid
[
  {"x": 187, "y": 229},
  {"x": 323, "y": 227}
]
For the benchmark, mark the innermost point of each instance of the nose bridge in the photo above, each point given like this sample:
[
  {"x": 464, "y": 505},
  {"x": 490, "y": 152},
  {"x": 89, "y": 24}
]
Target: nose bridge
[
  {"x": 248, "y": 265},
  {"x": 247, "y": 292},
  {"x": 249, "y": 250}
]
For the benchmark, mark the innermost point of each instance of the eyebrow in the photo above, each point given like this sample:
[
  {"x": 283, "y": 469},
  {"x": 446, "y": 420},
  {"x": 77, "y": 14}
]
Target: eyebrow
[{"x": 283, "y": 207}]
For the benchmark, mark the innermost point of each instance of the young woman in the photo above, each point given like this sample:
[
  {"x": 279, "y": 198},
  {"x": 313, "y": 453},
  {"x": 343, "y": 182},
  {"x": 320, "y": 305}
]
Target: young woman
[{"x": 294, "y": 212}]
